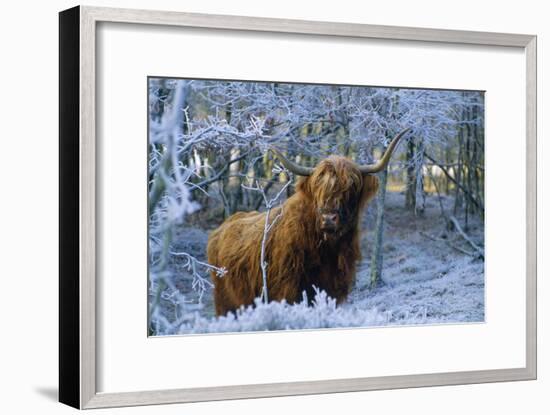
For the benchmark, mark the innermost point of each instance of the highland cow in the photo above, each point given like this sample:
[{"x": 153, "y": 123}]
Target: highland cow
[{"x": 314, "y": 242}]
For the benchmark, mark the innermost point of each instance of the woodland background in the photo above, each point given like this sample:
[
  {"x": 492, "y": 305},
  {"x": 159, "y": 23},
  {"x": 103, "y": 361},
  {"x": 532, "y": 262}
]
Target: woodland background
[{"x": 423, "y": 253}]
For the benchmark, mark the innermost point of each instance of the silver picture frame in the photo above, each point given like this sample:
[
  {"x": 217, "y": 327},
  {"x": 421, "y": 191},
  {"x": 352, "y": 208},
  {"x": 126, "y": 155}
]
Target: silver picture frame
[{"x": 77, "y": 277}]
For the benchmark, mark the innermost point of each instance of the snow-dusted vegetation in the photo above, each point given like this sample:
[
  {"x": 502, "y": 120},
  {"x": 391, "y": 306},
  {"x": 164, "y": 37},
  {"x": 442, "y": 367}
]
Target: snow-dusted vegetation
[{"x": 422, "y": 237}]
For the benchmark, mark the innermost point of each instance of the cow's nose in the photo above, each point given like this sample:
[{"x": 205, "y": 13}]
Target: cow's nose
[{"x": 330, "y": 217}]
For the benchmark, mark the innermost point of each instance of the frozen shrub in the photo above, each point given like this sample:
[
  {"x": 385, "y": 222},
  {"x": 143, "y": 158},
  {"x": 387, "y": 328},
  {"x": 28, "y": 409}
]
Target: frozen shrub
[{"x": 282, "y": 316}]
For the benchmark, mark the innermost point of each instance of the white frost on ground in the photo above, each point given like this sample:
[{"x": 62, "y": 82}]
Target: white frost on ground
[{"x": 282, "y": 316}]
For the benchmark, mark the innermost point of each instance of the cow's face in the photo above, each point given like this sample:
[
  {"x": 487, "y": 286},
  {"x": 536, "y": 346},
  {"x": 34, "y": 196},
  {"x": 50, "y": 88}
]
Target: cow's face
[{"x": 336, "y": 189}]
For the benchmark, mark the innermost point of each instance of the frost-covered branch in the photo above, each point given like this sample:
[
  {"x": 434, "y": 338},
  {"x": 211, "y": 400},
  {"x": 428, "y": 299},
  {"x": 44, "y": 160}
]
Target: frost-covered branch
[
  {"x": 200, "y": 282},
  {"x": 268, "y": 225}
]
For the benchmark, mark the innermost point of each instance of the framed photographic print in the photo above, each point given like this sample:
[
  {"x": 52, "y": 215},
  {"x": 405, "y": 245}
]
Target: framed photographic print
[{"x": 255, "y": 207}]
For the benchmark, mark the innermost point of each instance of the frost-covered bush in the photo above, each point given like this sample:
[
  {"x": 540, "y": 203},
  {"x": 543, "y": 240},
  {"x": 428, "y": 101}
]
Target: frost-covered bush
[{"x": 282, "y": 316}]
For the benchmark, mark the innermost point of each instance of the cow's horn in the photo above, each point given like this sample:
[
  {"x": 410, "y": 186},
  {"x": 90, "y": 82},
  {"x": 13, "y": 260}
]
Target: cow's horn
[
  {"x": 383, "y": 162},
  {"x": 290, "y": 165}
]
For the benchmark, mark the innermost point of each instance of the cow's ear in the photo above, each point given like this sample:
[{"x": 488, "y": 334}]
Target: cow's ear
[{"x": 370, "y": 187}]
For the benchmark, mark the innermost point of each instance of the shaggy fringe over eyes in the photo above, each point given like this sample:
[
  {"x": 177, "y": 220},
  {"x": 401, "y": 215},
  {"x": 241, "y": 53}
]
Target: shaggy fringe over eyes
[{"x": 335, "y": 180}]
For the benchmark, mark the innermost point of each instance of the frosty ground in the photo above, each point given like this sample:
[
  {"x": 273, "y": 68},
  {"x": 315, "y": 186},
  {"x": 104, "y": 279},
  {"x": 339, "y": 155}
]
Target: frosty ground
[{"x": 427, "y": 279}]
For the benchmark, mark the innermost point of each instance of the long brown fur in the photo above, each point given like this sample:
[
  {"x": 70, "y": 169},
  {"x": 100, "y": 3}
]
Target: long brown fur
[{"x": 299, "y": 254}]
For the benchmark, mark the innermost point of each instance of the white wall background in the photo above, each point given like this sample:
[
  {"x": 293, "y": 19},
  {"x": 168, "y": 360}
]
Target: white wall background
[{"x": 28, "y": 216}]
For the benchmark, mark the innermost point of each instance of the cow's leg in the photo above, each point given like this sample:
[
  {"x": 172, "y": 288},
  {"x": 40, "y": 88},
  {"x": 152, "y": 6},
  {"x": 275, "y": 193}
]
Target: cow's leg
[{"x": 288, "y": 291}]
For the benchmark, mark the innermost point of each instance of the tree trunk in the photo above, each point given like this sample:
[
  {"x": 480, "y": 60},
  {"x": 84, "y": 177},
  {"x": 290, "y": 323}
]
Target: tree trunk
[
  {"x": 420, "y": 195},
  {"x": 234, "y": 190},
  {"x": 410, "y": 194},
  {"x": 414, "y": 196},
  {"x": 377, "y": 256},
  {"x": 458, "y": 178}
]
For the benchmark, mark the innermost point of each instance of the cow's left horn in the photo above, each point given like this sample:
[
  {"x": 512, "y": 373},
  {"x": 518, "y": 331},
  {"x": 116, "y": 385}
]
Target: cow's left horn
[
  {"x": 383, "y": 162},
  {"x": 290, "y": 165}
]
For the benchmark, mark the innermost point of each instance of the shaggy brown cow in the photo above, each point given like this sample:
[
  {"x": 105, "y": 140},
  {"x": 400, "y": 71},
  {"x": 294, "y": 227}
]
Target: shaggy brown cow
[{"x": 314, "y": 243}]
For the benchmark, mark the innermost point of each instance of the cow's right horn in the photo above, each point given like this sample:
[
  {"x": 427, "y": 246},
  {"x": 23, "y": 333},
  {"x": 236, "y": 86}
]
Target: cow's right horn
[
  {"x": 290, "y": 165},
  {"x": 383, "y": 162}
]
